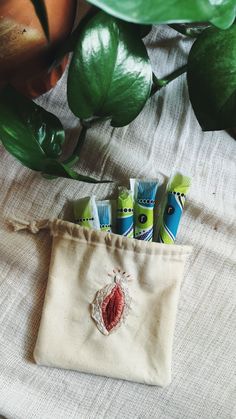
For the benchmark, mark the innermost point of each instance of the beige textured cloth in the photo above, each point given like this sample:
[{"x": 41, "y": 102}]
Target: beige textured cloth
[{"x": 165, "y": 136}]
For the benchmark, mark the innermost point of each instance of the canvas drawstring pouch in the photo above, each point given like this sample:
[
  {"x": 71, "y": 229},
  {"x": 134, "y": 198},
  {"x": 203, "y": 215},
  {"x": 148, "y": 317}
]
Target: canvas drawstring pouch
[{"x": 110, "y": 304}]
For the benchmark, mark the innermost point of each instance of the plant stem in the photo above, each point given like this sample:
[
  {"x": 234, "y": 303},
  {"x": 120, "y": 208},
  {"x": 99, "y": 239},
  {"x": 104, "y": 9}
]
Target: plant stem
[
  {"x": 159, "y": 83},
  {"x": 192, "y": 32},
  {"x": 174, "y": 75},
  {"x": 182, "y": 29}
]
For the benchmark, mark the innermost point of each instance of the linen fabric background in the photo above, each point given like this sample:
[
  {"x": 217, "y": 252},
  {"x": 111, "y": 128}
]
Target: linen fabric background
[{"x": 165, "y": 137}]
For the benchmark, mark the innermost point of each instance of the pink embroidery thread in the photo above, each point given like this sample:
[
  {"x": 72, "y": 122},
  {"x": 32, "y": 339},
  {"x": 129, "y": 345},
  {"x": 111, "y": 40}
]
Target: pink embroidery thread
[{"x": 111, "y": 304}]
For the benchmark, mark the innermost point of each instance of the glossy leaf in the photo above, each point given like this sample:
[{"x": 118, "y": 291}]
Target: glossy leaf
[
  {"x": 110, "y": 73},
  {"x": 33, "y": 135},
  {"x": 23, "y": 119},
  {"x": 212, "y": 78},
  {"x": 169, "y": 11},
  {"x": 41, "y": 11},
  {"x": 225, "y": 14}
]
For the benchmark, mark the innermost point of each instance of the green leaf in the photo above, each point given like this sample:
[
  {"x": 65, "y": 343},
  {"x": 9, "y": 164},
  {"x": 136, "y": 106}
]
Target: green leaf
[
  {"x": 110, "y": 73},
  {"x": 225, "y": 14},
  {"x": 41, "y": 12},
  {"x": 212, "y": 78},
  {"x": 33, "y": 135},
  {"x": 169, "y": 11},
  {"x": 30, "y": 129}
]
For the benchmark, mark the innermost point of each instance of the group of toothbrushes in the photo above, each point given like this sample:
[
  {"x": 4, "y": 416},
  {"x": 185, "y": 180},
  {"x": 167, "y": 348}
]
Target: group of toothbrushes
[{"x": 133, "y": 214}]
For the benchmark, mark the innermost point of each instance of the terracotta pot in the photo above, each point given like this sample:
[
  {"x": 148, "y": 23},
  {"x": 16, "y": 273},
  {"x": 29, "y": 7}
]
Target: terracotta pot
[{"x": 25, "y": 54}]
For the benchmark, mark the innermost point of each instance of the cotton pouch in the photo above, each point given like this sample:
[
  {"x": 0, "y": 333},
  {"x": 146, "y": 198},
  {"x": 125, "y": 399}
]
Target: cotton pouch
[{"x": 110, "y": 304}]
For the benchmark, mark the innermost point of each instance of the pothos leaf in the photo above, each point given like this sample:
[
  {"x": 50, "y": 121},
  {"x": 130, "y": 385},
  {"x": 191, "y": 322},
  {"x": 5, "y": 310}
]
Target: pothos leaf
[
  {"x": 170, "y": 11},
  {"x": 41, "y": 11},
  {"x": 110, "y": 73},
  {"x": 212, "y": 78},
  {"x": 30, "y": 129},
  {"x": 224, "y": 15},
  {"x": 33, "y": 135}
]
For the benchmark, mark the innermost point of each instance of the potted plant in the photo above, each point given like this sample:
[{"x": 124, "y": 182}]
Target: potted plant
[
  {"x": 26, "y": 55},
  {"x": 110, "y": 74}
]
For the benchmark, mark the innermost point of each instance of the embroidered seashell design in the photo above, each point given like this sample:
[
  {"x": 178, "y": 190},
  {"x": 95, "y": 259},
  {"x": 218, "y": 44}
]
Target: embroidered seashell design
[{"x": 111, "y": 304}]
